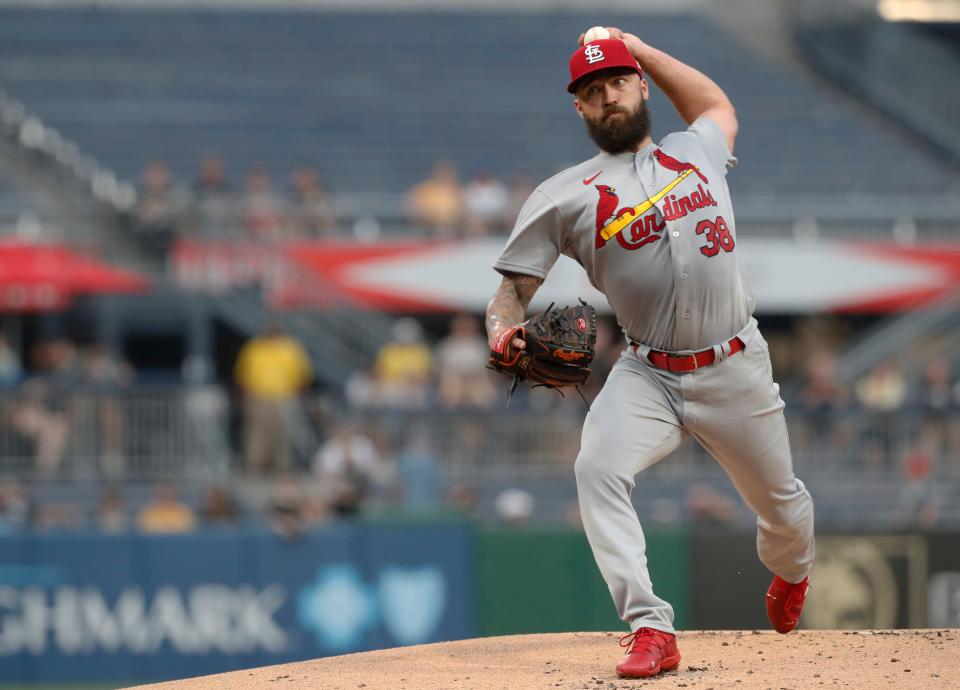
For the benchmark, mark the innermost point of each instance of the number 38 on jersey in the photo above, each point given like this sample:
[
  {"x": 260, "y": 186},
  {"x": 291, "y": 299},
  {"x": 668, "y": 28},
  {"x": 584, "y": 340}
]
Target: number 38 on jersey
[{"x": 717, "y": 235}]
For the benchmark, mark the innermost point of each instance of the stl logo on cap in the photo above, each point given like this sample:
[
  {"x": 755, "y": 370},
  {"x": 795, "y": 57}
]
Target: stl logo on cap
[{"x": 592, "y": 53}]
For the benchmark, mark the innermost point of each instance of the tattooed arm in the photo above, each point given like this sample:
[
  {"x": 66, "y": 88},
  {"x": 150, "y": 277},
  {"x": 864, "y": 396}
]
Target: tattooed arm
[{"x": 509, "y": 305}]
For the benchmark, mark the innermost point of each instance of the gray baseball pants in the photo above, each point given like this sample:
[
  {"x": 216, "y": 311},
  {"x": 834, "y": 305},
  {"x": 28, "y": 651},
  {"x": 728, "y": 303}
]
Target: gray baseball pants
[{"x": 733, "y": 409}]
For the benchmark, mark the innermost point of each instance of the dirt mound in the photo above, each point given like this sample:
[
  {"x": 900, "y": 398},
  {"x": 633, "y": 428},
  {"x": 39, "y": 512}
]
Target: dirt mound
[{"x": 925, "y": 659}]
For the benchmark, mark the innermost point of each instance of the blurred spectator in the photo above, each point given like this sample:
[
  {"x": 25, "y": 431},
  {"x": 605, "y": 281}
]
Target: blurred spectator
[
  {"x": 938, "y": 393},
  {"x": 272, "y": 370},
  {"x": 920, "y": 499},
  {"x": 485, "y": 201},
  {"x": 361, "y": 389},
  {"x": 214, "y": 206},
  {"x": 882, "y": 393},
  {"x": 823, "y": 430},
  {"x": 40, "y": 413},
  {"x": 316, "y": 508},
  {"x": 263, "y": 210},
  {"x": 287, "y": 505},
  {"x": 710, "y": 508},
  {"x": 311, "y": 212},
  {"x": 883, "y": 389},
  {"x": 514, "y": 507},
  {"x": 462, "y": 365},
  {"x": 348, "y": 466},
  {"x": 105, "y": 374},
  {"x": 57, "y": 515},
  {"x": 823, "y": 399},
  {"x": 403, "y": 367},
  {"x": 16, "y": 511},
  {"x": 206, "y": 405},
  {"x": 165, "y": 513},
  {"x": 520, "y": 190},
  {"x": 219, "y": 507},
  {"x": 462, "y": 499},
  {"x": 419, "y": 473},
  {"x": 112, "y": 514},
  {"x": 159, "y": 208},
  {"x": 103, "y": 369},
  {"x": 437, "y": 202},
  {"x": 11, "y": 372},
  {"x": 938, "y": 399},
  {"x": 822, "y": 392}
]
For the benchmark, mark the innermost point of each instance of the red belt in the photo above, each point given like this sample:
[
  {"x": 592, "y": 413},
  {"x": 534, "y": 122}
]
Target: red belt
[{"x": 683, "y": 363}]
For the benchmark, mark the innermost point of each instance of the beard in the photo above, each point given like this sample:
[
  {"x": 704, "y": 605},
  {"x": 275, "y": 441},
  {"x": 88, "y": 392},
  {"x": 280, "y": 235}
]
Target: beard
[{"x": 619, "y": 134}]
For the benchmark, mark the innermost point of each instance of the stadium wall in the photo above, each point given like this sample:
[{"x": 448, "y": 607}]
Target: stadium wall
[{"x": 135, "y": 608}]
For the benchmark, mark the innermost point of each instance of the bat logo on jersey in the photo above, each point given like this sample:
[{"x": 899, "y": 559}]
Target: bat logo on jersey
[
  {"x": 642, "y": 230},
  {"x": 673, "y": 208}
]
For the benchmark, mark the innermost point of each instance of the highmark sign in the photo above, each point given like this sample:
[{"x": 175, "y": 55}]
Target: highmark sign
[
  {"x": 138, "y": 608},
  {"x": 197, "y": 620}
]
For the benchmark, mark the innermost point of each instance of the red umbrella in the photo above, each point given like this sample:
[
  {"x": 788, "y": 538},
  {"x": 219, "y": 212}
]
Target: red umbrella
[{"x": 44, "y": 277}]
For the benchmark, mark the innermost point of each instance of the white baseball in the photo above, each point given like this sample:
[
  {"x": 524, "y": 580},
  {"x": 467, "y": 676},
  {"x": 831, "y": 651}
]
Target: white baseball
[{"x": 595, "y": 33}]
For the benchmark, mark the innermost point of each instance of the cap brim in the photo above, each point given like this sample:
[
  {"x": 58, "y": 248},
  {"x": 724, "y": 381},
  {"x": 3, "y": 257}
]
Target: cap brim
[{"x": 572, "y": 86}]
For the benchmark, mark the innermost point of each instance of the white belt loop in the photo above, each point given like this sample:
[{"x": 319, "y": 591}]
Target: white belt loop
[{"x": 641, "y": 351}]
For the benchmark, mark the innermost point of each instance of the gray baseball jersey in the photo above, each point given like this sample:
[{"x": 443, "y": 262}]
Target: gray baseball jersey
[{"x": 655, "y": 233}]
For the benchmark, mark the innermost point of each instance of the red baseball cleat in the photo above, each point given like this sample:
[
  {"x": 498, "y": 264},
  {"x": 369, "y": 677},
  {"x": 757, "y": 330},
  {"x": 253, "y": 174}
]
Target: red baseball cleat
[
  {"x": 649, "y": 652},
  {"x": 785, "y": 603}
]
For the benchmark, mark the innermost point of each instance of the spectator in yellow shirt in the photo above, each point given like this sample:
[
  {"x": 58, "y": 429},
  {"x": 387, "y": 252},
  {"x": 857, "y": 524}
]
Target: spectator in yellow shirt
[
  {"x": 271, "y": 371},
  {"x": 166, "y": 514},
  {"x": 437, "y": 202},
  {"x": 404, "y": 367}
]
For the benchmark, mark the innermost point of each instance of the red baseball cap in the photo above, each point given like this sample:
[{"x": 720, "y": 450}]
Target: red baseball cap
[{"x": 601, "y": 54}]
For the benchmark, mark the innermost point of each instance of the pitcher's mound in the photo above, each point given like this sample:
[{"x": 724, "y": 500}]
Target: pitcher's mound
[{"x": 806, "y": 659}]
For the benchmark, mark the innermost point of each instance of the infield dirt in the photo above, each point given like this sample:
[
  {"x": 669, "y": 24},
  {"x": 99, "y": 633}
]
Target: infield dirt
[{"x": 744, "y": 660}]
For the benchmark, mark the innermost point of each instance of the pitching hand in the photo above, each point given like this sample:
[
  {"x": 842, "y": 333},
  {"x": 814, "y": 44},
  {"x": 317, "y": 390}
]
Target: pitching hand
[
  {"x": 633, "y": 42},
  {"x": 516, "y": 343}
]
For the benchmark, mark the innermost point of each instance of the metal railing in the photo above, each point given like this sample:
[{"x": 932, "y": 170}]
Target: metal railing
[
  {"x": 51, "y": 430},
  {"x": 189, "y": 432}
]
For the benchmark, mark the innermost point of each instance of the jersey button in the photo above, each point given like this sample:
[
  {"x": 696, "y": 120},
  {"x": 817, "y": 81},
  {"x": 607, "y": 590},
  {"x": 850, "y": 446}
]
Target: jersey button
[
  {"x": 686, "y": 315},
  {"x": 684, "y": 276},
  {"x": 676, "y": 233}
]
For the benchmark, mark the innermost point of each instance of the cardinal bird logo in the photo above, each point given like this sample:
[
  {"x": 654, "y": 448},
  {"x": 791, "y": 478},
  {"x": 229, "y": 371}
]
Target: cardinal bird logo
[
  {"x": 606, "y": 209},
  {"x": 607, "y": 204},
  {"x": 671, "y": 163}
]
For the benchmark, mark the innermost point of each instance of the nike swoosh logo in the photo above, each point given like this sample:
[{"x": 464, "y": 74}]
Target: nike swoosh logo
[{"x": 591, "y": 179}]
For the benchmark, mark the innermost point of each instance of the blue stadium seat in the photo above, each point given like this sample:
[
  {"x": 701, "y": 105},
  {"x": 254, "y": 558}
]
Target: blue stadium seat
[{"x": 374, "y": 99}]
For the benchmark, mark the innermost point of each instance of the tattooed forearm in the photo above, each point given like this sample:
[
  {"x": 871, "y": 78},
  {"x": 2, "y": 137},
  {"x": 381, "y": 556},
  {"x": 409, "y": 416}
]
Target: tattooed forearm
[{"x": 508, "y": 305}]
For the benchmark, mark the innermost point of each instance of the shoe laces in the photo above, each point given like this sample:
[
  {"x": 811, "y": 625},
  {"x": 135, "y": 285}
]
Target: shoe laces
[{"x": 643, "y": 639}]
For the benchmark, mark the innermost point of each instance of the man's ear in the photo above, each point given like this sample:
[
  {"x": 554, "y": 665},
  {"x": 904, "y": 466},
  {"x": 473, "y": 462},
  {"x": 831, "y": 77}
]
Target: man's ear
[
  {"x": 576, "y": 106},
  {"x": 644, "y": 89}
]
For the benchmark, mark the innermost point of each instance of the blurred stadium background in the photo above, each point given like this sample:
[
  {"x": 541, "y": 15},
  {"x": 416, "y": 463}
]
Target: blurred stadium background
[{"x": 245, "y": 253}]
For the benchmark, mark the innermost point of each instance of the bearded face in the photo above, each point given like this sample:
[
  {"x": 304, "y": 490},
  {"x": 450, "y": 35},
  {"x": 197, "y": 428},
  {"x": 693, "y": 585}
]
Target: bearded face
[{"x": 619, "y": 128}]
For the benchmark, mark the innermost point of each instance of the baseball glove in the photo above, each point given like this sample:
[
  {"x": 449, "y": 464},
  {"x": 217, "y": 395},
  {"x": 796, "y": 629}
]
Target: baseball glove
[{"x": 560, "y": 347}]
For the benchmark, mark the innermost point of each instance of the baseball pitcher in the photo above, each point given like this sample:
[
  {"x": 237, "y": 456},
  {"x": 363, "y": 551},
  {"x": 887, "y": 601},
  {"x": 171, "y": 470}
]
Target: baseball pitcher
[{"x": 653, "y": 226}]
